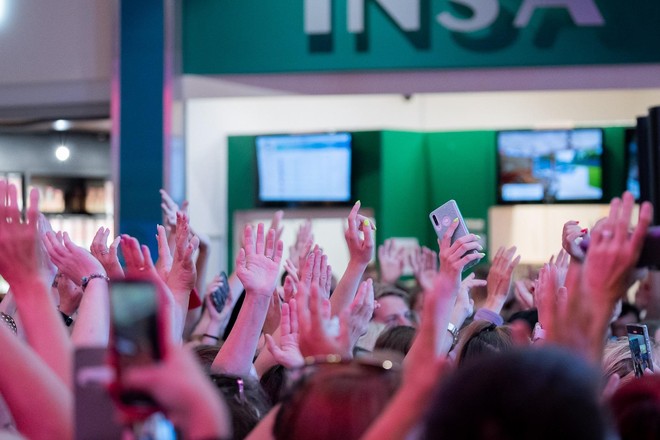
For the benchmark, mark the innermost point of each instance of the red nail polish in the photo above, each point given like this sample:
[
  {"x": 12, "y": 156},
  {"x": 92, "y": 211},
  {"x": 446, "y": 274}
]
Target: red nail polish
[{"x": 584, "y": 231}]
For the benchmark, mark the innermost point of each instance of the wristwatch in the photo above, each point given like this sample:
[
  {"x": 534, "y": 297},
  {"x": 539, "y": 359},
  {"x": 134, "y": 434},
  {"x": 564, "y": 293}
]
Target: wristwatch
[{"x": 451, "y": 328}]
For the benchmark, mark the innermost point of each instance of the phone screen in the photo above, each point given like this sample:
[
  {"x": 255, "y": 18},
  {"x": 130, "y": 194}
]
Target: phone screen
[
  {"x": 219, "y": 295},
  {"x": 640, "y": 349},
  {"x": 134, "y": 330}
]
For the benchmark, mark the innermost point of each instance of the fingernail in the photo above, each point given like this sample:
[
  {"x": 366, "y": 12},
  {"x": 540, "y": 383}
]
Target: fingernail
[
  {"x": 456, "y": 219},
  {"x": 357, "y": 203},
  {"x": 480, "y": 248},
  {"x": 584, "y": 231},
  {"x": 478, "y": 236},
  {"x": 482, "y": 254},
  {"x": 366, "y": 222}
]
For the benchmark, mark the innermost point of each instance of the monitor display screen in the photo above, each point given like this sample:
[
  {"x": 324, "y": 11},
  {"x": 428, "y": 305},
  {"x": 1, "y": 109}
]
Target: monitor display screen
[
  {"x": 304, "y": 168},
  {"x": 548, "y": 166}
]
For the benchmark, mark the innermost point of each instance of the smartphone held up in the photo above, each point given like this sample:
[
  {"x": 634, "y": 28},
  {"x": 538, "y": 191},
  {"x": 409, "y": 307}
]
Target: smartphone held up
[
  {"x": 640, "y": 348},
  {"x": 135, "y": 339},
  {"x": 442, "y": 217}
]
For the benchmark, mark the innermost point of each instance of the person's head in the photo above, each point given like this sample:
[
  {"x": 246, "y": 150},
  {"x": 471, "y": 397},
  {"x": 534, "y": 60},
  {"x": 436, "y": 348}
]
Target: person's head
[
  {"x": 336, "y": 401},
  {"x": 246, "y": 400},
  {"x": 399, "y": 339},
  {"x": 480, "y": 338},
  {"x": 617, "y": 360},
  {"x": 629, "y": 315},
  {"x": 636, "y": 409},
  {"x": 537, "y": 394},
  {"x": 393, "y": 306},
  {"x": 272, "y": 382}
]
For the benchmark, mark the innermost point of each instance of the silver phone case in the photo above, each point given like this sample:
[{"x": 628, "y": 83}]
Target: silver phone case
[{"x": 442, "y": 217}]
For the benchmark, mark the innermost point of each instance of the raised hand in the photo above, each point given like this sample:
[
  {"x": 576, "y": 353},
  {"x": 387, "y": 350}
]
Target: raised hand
[
  {"x": 499, "y": 278},
  {"x": 287, "y": 352},
  {"x": 275, "y": 224},
  {"x": 164, "y": 262},
  {"x": 360, "y": 249},
  {"x": 72, "y": 260},
  {"x": 464, "y": 306},
  {"x": 571, "y": 236},
  {"x": 316, "y": 337},
  {"x": 390, "y": 261},
  {"x": 304, "y": 242},
  {"x": 453, "y": 258},
  {"x": 356, "y": 318},
  {"x": 107, "y": 255},
  {"x": 614, "y": 251},
  {"x": 524, "y": 292},
  {"x": 274, "y": 314},
  {"x": 70, "y": 295},
  {"x": 170, "y": 208},
  {"x": 258, "y": 262},
  {"x": 424, "y": 263},
  {"x": 20, "y": 266},
  {"x": 19, "y": 246},
  {"x": 183, "y": 275}
]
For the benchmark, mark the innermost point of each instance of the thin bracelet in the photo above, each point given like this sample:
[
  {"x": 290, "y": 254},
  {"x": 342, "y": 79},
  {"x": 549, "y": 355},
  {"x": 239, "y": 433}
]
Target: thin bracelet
[
  {"x": 206, "y": 335},
  {"x": 85, "y": 280}
]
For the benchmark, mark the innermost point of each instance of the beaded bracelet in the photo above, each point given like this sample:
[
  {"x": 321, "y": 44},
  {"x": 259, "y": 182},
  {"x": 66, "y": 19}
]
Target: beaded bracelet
[{"x": 9, "y": 321}]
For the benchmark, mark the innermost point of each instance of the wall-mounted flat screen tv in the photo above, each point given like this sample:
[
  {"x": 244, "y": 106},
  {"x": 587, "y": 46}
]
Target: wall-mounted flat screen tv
[
  {"x": 304, "y": 168},
  {"x": 548, "y": 166}
]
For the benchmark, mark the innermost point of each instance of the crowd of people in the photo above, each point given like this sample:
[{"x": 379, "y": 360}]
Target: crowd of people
[{"x": 314, "y": 354}]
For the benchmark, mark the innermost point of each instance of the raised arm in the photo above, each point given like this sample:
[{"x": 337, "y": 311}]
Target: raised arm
[
  {"x": 41, "y": 403},
  {"x": 257, "y": 266},
  {"x": 92, "y": 327},
  {"x": 19, "y": 265},
  {"x": 360, "y": 250}
]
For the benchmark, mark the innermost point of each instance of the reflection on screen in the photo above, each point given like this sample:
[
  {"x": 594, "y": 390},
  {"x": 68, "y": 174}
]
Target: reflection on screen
[
  {"x": 134, "y": 310},
  {"x": 640, "y": 354},
  {"x": 304, "y": 168},
  {"x": 546, "y": 166}
]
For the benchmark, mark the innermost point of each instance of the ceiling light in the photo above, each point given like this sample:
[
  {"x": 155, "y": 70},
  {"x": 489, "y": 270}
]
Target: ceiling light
[
  {"x": 62, "y": 153},
  {"x": 60, "y": 124}
]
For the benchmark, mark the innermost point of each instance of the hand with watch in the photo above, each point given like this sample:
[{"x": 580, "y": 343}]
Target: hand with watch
[{"x": 76, "y": 263}]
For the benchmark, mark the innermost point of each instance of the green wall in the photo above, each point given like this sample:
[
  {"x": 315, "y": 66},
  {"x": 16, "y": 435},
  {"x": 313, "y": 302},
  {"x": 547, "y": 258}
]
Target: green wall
[{"x": 403, "y": 176}]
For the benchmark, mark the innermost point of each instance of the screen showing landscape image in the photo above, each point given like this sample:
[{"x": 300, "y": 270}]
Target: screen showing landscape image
[{"x": 550, "y": 166}]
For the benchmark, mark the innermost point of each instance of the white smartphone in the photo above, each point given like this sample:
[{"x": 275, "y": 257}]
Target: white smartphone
[{"x": 442, "y": 218}]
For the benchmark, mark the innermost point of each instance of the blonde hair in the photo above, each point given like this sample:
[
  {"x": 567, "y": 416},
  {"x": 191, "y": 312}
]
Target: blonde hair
[{"x": 617, "y": 360}]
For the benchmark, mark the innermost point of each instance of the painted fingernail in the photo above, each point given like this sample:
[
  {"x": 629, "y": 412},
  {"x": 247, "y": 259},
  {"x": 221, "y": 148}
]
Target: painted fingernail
[
  {"x": 358, "y": 202},
  {"x": 482, "y": 254},
  {"x": 478, "y": 236},
  {"x": 366, "y": 222},
  {"x": 584, "y": 231},
  {"x": 456, "y": 219}
]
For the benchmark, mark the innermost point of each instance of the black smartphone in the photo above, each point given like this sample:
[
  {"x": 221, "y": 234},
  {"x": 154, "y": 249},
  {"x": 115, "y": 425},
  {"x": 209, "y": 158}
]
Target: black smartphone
[
  {"x": 650, "y": 256},
  {"x": 219, "y": 295},
  {"x": 442, "y": 217},
  {"x": 135, "y": 335},
  {"x": 640, "y": 348}
]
